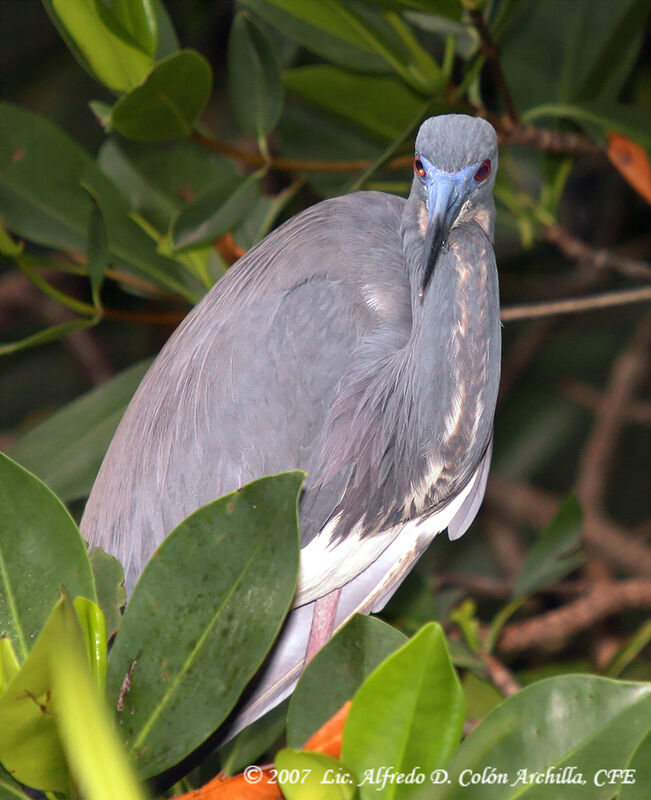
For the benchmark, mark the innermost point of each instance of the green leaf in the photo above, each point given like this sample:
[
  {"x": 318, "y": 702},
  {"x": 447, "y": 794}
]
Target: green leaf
[
  {"x": 578, "y": 721},
  {"x": 93, "y": 629},
  {"x": 447, "y": 8},
  {"x": 97, "y": 253},
  {"x": 113, "y": 61},
  {"x": 407, "y": 715},
  {"x": 167, "y": 39},
  {"x": 214, "y": 213},
  {"x": 10, "y": 789},
  {"x": 636, "y": 782},
  {"x": 29, "y": 744},
  {"x": 354, "y": 35},
  {"x": 304, "y": 775},
  {"x": 381, "y": 105},
  {"x": 93, "y": 749},
  {"x": 599, "y": 118},
  {"x": 553, "y": 556},
  {"x": 8, "y": 247},
  {"x": 159, "y": 180},
  {"x": 109, "y": 580},
  {"x": 254, "y": 79},
  {"x": 249, "y": 745},
  {"x": 131, "y": 21},
  {"x": 544, "y": 61},
  {"x": 41, "y": 550},
  {"x": 351, "y": 655},
  {"x": 9, "y": 665},
  {"x": 66, "y": 450},
  {"x": 43, "y": 200},
  {"x": 203, "y": 631},
  {"x": 169, "y": 101},
  {"x": 50, "y": 334}
]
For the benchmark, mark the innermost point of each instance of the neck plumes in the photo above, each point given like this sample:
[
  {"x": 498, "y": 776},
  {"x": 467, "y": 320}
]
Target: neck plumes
[{"x": 453, "y": 376}]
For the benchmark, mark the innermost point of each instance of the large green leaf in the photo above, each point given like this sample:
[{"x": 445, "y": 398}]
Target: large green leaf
[
  {"x": 408, "y": 715},
  {"x": 304, "y": 775},
  {"x": 92, "y": 746},
  {"x": 119, "y": 63},
  {"x": 202, "y": 617},
  {"x": 215, "y": 212},
  {"x": 66, "y": 450},
  {"x": 637, "y": 779},
  {"x": 351, "y": 655},
  {"x": 578, "y": 721},
  {"x": 41, "y": 550},
  {"x": 255, "y": 82},
  {"x": 168, "y": 102},
  {"x": 382, "y": 105},
  {"x": 354, "y": 35},
  {"x": 589, "y": 55},
  {"x": 553, "y": 556},
  {"x": 43, "y": 200},
  {"x": 109, "y": 581},
  {"x": 11, "y": 789},
  {"x": 159, "y": 180},
  {"x": 30, "y": 749},
  {"x": 131, "y": 21}
]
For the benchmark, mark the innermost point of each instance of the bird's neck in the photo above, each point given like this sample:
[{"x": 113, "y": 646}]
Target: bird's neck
[{"x": 454, "y": 345}]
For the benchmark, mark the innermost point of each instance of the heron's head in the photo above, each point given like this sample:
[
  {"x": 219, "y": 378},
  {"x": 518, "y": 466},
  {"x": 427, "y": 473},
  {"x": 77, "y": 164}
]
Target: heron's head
[{"x": 455, "y": 163}]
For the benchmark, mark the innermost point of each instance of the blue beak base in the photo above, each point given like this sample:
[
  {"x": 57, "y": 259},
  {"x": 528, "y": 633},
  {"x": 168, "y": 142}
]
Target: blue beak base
[{"x": 445, "y": 199}]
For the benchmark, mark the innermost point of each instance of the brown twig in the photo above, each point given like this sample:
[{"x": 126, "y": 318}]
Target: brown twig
[
  {"x": 506, "y": 545},
  {"x": 574, "y": 249},
  {"x": 20, "y": 295},
  {"x": 629, "y": 368},
  {"x": 587, "y": 396},
  {"x": 593, "y": 470},
  {"x": 539, "y": 138},
  {"x": 534, "y": 505},
  {"x": 490, "y": 52},
  {"x": 500, "y": 676},
  {"x": 553, "y": 629},
  {"x": 507, "y": 133},
  {"x": 574, "y": 305}
]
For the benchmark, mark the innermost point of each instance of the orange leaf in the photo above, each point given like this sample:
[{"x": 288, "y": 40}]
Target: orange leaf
[
  {"x": 327, "y": 739},
  {"x": 239, "y": 787},
  {"x": 631, "y": 161}
]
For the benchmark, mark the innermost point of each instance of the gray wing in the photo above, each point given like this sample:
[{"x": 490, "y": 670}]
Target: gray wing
[{"x": 243, "y": 386}]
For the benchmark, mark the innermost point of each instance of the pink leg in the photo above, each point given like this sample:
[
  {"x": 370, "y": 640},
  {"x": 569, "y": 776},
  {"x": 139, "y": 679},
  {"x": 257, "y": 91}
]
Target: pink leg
[{"x": 323, "y": 622}]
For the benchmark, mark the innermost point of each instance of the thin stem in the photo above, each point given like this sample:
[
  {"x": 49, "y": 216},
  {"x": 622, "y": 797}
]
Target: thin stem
[
  {"x": 573, "y": 305},
  {"x": 490, "y": 52}
]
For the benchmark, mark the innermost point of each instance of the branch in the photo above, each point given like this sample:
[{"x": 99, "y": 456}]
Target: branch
[
  {"x": 537, "y": 507},
  {"x": 587, "y": 396},
  {"x": 500, "y": 676},
  {"x": 553, "y": 629},
  {"x": 490, "y": 52},
  {"x": 628, "y": 370},
  {"x": 573, "y": 305},
  {"x": 576, "y": 250},
  {"x": 508, "y": 132}
]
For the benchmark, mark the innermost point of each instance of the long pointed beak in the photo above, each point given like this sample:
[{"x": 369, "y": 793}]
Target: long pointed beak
[{"x": 444, "y": 204}]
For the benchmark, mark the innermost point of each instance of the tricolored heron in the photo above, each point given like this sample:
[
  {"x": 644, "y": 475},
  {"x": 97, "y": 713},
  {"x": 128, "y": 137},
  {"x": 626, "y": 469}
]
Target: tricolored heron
[{"x": 360, "y": 342}]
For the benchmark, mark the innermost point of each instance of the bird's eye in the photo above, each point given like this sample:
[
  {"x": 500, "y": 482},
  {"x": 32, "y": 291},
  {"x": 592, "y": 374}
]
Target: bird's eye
[
  {"x": 419, "y": 169},
  {"x": 483, "y": 172}
]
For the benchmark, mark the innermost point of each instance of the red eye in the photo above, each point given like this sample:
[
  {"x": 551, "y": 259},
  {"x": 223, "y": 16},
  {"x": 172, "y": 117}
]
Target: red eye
[
  {"x": 483, "y": 172},
  {"x": 419, "y": 169}
]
